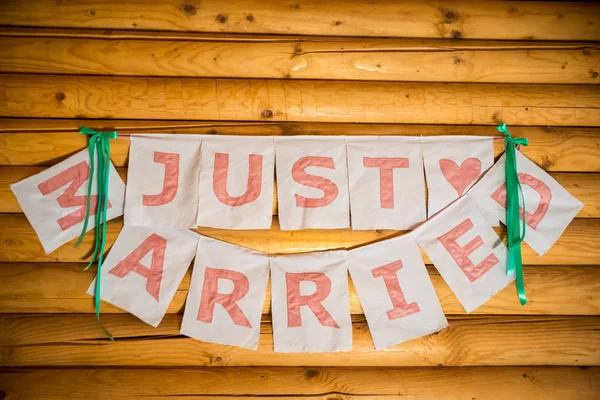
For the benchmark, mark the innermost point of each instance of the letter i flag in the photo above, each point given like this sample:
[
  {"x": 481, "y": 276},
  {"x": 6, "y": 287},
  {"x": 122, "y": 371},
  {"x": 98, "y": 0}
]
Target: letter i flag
[
  {"x": 227, "y": 294},
  {"x": 466, "y": 251},
  {"x": 54, "y": 201},
  {"x": 144, "y": 269},
  {"x": 395, "y": 291},
  {"x": 309, "y": 295},
  {"x": 161, "y": 181},
  {"x": 236, "y": 182},
  {"x": 549, "y": 208}
]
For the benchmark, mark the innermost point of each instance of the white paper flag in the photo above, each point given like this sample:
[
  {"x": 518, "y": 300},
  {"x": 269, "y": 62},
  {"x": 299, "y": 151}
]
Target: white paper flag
[
  {"x": 309, "y": 295},
  {"x": 387, "y": 186},
  {"x": 549, "y": 208},
  {"x": 162, "y": 181},
  {"x": 144, "y": 269},
  {"x": 395, "y": 291},
  {"x": 54, "y": 201},
  {"x": 312, "y": 183},
  {"x": 236, "y": 182},
  {"x": 467, "y": 252},
  {"x": 226, "y": 295},
  {"x": 452, "y": 165}
]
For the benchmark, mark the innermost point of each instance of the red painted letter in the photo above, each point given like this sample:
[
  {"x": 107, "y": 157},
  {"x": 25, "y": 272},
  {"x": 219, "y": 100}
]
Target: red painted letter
[
  {"x": 401, "y": 309},
  {"x": 295, "y": 300},
  {"x": 386, "y": 176},
  {"x": 211, "y": 295},
  {"x": 157, "y": 245},
  {"x": 330, "y": 189},
  {"x": 171, "y": 161},
  {"x": 254, "y": 180},
  {"x": 461, "y": 254},
  {"x": 77, "y": 175},
  {"x": 545, "y": 197}
]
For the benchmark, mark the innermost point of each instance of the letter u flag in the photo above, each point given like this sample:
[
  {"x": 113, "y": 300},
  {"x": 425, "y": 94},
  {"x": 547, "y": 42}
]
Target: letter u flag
[
  {"x": 227, "y": 294},
  {"x": 310, "y": 302},
  {"x": 236, "y": 182},
  {"x": 144, "y": 269},
  {"x": 395, "y": 291}
]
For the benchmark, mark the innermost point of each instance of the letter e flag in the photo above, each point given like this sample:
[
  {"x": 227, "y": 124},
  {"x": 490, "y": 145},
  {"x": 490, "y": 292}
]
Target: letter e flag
[
  {"x": 309, "y": 295},
  {"x": 144, "y": 269},
  {"x": 227, "y": 294},
  {"x": 54, "y": 200},
  {"x": 395, "y": 291},
  {"x": 467, "y": 252}
]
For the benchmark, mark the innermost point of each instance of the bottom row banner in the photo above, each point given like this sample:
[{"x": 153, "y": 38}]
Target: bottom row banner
[{"x": 309, "y": 292}]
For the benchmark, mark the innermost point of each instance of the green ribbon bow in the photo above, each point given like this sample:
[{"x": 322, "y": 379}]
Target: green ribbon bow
[
  {"x": 98, "y": 144},
  {"x": 515, "y": 225}
]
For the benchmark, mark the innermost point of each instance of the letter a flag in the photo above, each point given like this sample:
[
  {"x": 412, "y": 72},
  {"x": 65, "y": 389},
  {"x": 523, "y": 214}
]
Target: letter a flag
[
  {"x": 144, "y": 269},
  {"x": 395, "y": 291},
  {"x": 161, "y": 181},
  {"x": 309, "y": 295},
  {"x": 467, "y": 252},
  {"x": 54, "y": 201},
  {"x": 236, "y": 182},
  {"x": 549, "y": 208},
  {"x": 227, "y": 294}
]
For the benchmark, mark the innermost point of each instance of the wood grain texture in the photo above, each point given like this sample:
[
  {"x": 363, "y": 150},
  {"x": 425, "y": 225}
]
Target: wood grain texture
[
  {"x": 76, "y": 340},
  {"x": 350, "y": 59},
  {"x": 516, "y": 383},
  {"x": 58, "y": 96},
  {"x": 531, "y": 20},
  {"x": 19, "y": 243},
  {"x": 585, "y": 187},
  {"x": 61, "y": 288},
  {"x": 48, "y": 141}
]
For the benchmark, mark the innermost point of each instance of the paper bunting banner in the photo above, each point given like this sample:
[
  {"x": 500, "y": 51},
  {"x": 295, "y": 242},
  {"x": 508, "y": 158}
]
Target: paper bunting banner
[
  {"x": 549, "y": 208},
  {"x": 236, "y": 182},
  {"x": 452, "y": 165},
  {"x": 176, "y": 182},
  {"x": 54, "y": 200},
  {"x": 467, "y": 252},
  {"x": 226, "y": 295},
  {"x": 312, "y": 183},
  {"x": 309, "y": 296},
  {"x": 395, "y": 291},
  {"x": 387, "y": 187},
  {"x": 161, "y": 181},
  {"x": 144, "y": 269}
]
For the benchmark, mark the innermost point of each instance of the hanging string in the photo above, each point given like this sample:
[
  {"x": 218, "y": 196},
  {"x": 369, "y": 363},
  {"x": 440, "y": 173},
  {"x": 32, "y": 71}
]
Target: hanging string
[
  {"x": 515, "y": 225},
  {"x": 99, "y": 145}
]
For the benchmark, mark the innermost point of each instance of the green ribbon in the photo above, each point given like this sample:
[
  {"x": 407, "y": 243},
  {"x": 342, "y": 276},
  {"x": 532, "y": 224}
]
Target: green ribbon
[
  {"x": 98, "y": 144},
  {"x": 515, "y": 225}
]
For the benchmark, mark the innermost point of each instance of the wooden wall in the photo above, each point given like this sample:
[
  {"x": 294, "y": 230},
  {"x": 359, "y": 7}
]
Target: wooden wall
[{"x": 299, "y": 67}]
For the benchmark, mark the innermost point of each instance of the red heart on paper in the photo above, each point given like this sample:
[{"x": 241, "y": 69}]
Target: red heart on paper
[{"x": 460, "y": 177}]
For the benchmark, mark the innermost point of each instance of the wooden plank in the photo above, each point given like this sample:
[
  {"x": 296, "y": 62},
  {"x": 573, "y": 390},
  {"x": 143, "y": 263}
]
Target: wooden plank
[
  {"x": 76, "y": 340},
  {"x": 585, "y": 187},
  {"x": 47, "y": 141},
  {"x": 19, "y": 243},
  {"x": 61, "y": 288},
  {"x": 351, "y": 59},
  {"x": 532, "y": 20},
  {"x": 57, "y": 96},
  {"x": 519, "y": 383}
]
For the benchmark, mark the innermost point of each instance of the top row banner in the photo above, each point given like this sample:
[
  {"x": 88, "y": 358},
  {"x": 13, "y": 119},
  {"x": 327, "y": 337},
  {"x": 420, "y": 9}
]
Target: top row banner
[{"x": 228, "y": 181}]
